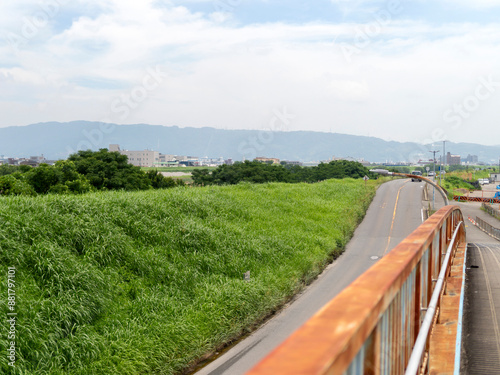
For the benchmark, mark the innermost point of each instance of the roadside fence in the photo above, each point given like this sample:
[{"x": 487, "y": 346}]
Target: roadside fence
[
  {"x": 489, "y": 229},
  {"x": 492, "y": 211}
]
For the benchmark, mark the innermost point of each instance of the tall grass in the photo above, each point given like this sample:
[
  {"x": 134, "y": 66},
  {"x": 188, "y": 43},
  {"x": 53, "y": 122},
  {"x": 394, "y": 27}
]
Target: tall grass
[{"x": 148, "y": 282}]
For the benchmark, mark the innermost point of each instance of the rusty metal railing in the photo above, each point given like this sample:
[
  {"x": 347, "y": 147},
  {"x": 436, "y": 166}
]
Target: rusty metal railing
[
  {"x": 372, "y": 325},
  {"x": 465, "y": 198},
  {"x": 488, "y": 228},
  {"x": 422, "y": 343}
]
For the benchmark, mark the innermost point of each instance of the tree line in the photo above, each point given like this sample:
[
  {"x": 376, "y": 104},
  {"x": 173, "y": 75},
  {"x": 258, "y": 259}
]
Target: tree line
[
  {"x": 82, "y": 172},
  {"x": 257, "y": 172},
  {"x": 87, "y": 171}
]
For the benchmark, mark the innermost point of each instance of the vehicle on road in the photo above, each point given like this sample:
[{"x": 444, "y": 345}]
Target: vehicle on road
[
  {"x": 416, "y": 173},
  {"x": 484, "y": 181},
  {"x": 430, "y": 174}
]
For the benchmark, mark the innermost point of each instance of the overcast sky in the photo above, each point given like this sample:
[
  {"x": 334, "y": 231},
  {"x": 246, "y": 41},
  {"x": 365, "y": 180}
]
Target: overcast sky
[{"x": 417, "y": 70}]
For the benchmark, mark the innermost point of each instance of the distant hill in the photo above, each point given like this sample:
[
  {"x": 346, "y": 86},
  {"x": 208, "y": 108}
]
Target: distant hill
[{"x": 57, "y": 140}]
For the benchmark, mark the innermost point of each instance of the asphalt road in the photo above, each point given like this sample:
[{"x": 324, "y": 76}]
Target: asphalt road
[
  {"x": 481, "y": 323},
  {"x": 394, "y": 213}
]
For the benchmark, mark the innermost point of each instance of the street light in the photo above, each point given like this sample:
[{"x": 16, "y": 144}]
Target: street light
[
  {"x": 434, "y": 152},
  {"x": 385, "y": 172}
]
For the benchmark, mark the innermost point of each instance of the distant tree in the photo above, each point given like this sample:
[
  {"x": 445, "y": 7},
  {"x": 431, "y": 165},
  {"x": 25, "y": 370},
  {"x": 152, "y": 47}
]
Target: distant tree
[
  {"x": 10, "y": 185},
  {"x": 159, "y": 181},
  {"x": 43, "y": 177},
  {"x": 6, "y": 169},
  {"x": 58, "y": 189},
  {"x": 25, "y": 168},
  {"x": 109, "y": 170},
  {"x": 202, "y": 177},
  {"x": 257, "y": 172}
]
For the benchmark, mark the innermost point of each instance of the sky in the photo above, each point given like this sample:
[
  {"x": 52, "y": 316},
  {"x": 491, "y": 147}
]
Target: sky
[{"x": 422, "y": 71}]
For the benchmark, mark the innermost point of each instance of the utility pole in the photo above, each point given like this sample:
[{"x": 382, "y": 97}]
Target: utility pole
[
  {"x": 444, "y": 162},
  {"x": 434, "y": 152}
]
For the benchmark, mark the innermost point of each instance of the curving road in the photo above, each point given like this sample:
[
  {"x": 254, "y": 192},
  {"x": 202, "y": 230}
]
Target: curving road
[{"x": 394, "y": 213}]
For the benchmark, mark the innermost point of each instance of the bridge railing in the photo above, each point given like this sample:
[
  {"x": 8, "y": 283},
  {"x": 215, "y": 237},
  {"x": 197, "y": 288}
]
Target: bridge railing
[
  {"x": 488, "y": 228},
  {"x": 372, "y": 325}
]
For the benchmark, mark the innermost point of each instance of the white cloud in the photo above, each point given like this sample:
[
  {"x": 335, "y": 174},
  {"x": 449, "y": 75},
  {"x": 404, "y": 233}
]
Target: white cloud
[
  {"x": 476, "y": 4},
  {"x": 220, "y": 74},
  {"x": 21, "y": 76}
]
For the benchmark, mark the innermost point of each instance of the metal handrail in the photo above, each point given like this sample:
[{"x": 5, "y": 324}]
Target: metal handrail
[
  {"x": 373, "y": 324},
  {"x": 414, "y": 363},
  {"x": 488, "y": 228}
]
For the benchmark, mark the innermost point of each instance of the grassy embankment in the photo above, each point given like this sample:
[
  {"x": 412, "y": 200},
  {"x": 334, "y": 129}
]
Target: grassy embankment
[
  {"x": 148, "y": 282},
  {"x": 456, "y": 186}
]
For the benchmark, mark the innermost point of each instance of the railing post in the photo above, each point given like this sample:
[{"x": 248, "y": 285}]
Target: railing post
[{"x": 418, "y": 298}]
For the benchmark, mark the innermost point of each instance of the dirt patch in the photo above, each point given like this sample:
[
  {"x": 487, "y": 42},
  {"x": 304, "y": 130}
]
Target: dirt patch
[{"x": 176, "y": 174}]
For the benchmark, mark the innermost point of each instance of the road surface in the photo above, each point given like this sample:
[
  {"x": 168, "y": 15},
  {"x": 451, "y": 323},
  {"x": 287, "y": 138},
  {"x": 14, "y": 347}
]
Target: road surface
[
  {"x": 481, "y": 323},
  {"x": 394, "y": 213}
]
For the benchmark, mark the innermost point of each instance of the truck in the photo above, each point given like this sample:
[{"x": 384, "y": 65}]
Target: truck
[{"x": 484, "y": 181}]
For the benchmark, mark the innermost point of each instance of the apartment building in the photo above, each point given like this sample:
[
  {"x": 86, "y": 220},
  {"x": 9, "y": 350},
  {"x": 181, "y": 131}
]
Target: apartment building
[
  {"x": 453, "y": 159},
  {"x": 144, "y": 158}
]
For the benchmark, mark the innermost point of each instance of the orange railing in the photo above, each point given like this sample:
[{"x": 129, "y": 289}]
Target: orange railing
[{"x": 372, "y": 325}]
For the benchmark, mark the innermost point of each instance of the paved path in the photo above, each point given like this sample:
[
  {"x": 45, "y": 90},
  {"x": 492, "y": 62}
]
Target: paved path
[
  {"x": 392, "y": 216},
  {"x": 482, "y": 310},
  {"x": 481, "y": 333}
]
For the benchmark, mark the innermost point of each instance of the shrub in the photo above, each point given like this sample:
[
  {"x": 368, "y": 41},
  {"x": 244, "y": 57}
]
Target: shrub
[{"x": 9, "y": 185}]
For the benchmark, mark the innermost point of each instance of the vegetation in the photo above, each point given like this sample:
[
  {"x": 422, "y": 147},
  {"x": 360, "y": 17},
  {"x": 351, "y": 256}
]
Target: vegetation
[
  {"x": 257, "y": 172},
  {"x": 83, "y": 172},
  {"x": 471, "y": 174},
  {"x": 148, "y": 282},
  {"x": 176, "y": 169},
  {"x": 464, "y": 178},
  {"x": 452, "y": 182}
]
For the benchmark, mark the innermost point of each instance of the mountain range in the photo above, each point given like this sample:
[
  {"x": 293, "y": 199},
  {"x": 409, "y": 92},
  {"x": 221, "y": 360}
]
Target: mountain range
[{"x": 57, "y": 140}]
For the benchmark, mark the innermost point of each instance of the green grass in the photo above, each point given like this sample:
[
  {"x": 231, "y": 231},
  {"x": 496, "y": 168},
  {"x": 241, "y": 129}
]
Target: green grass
[
  {"x": 470, "y": 175},
  {"x": 149, "y": 282},
  {"x": 451, "y": 183}
]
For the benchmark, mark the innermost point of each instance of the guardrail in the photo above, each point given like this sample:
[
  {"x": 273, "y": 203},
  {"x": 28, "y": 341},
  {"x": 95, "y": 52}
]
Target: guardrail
[
  {"x": 489, "y": 229},
  {"x": 371, "y": 327},
  {"x": 492, "y": 211},
  {"x": 465, "y": 198}
]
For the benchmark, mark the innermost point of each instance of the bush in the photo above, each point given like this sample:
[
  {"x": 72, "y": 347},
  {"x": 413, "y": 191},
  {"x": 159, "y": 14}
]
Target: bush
[
  {"x": 9, "y": 185},
  {"x": 159, "y": 181},
  {"x": 43, "y": 178},
  {"x": 109, "y": 170},
  {"x": 59, "y": 189}
]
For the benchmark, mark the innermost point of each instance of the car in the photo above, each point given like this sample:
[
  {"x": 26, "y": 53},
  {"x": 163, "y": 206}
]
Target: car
[
  {"x": 431, "y": 174},
  {"x": 416, "y": 173}
]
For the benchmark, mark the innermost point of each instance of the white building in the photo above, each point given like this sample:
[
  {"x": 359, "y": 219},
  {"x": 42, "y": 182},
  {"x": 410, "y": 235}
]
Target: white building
[{"x": 145, "y": 158}]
